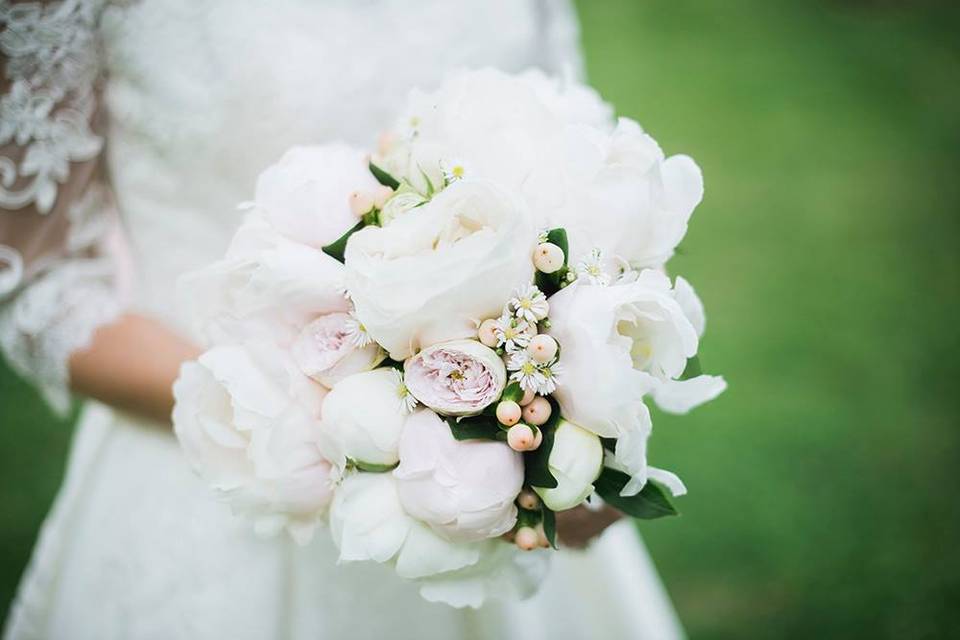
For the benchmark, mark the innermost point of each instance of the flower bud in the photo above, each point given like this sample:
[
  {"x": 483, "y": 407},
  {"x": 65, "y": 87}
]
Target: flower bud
[
  {"x": 527, "y": 538},
  {"x": 360, "y": 203},
  {"x": 508, "y": 413},
  {"x": 487, "y": 333},
  {"x": 520, "y": 437},
  {"x": 547, "y": 257},
  {"x": 537, "y": 412},
  {"x": 576, "y": 460},
  {"x": 542, "y": 348}
]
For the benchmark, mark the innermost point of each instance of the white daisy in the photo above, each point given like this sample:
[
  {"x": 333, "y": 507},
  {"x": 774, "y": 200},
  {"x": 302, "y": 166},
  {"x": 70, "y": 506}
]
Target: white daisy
[
  {"x": 528, "y": 376},
  {"x": 357, "y": 333},
  {"x": 407, "y": 403},
  {"x": 529, "y": 304},
  {"x": 453, "y": 170},
  {"x": 550, "y": 375},
  {"x": 591, "y": 268},
  {"x": 512, "y": 333}
]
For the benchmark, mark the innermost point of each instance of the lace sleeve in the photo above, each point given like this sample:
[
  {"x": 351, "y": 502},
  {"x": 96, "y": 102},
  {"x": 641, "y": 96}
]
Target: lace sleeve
[
  {"x": 560, "y": 38},
  {"x": 57, "y": 273}
]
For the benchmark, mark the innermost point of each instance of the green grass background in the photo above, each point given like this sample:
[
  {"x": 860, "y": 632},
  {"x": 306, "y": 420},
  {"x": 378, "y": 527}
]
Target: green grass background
[{"x": 823, "y": 484}]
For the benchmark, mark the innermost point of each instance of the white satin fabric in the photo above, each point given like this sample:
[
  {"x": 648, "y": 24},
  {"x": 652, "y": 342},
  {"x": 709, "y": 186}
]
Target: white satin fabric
[{"x": 201, "y": 96}]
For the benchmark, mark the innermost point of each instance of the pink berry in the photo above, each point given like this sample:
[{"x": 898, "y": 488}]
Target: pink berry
[
  {"x": 381, "y": 194},
  {"x": 537, "y": 440},
  {"x": 542, "y": 348},
  {"x": 527, "y": 538},
  {"x": 360, "y": 203},
  {"x": 520, "y": 437},
  {"x": 528, "y": 500},
  {"x": 528, "y": 396},
  {"x": 487, "y": 332},
  {"x": 508, "y": 413},
  {"x": 537, "y": 412},
  {"x": 547, "y": 257}
]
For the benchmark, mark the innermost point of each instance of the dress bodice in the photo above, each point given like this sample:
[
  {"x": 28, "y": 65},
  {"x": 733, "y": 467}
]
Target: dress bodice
[{"x": 203, "y": 95}]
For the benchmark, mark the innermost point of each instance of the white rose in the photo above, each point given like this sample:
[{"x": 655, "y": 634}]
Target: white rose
[
  {"x": 465, "y": 490},
  {"x": 616, "y": 343},
  {"x": 362, "y": 419},
  {"x": 306, "y": 194},
  {"x": 325, "y": 352},
  {"x": 266, "y": 287},
  {"x": 247, "y": 421},
  {"x": 457, "y": 378},
  {"x": 432, "y": 274},
  {"x": 576, "y": 460},
  {"x": 367, "y": 522}
]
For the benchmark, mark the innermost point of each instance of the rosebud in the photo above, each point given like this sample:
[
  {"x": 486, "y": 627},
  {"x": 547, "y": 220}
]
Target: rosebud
[
  {"x": 537, "y": 412},
  {"x": 508, "y": 413},
  {"x": 547, "y": 257}
]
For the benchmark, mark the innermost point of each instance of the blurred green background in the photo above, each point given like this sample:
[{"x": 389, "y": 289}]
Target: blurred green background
[{"x": 822, "y": 483}]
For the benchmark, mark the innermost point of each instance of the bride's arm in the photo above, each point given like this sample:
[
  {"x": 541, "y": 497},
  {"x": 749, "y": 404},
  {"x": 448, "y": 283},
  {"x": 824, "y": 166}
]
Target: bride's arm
[
  {"x": 132, "y": 364},
  {"x": 63, "y": 323}
]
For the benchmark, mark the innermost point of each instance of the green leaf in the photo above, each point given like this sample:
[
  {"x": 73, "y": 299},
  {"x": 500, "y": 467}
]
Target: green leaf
[
  {"x": 536, "y": 463},
  {"x": 692, "y": 370},
  {"x": 336, "y": 249},
  {"x": 426, "y": 178},
  {"x": 383, "y": 177},
  {"x": 513, "y": 392},
  {"x": 373, "y": 468},
  {"x": 476, "y": 428},
  {"x": 550, "y": 525},
  {"x": 650, "y": 503}
]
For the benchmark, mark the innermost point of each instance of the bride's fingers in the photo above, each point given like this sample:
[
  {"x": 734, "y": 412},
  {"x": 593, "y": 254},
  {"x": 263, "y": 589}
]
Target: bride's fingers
[{"x": 577, "y": 527}]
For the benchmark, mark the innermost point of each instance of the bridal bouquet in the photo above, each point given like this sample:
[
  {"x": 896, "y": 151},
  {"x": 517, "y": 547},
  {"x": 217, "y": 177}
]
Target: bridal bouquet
[{"x": 436, "y": 347}]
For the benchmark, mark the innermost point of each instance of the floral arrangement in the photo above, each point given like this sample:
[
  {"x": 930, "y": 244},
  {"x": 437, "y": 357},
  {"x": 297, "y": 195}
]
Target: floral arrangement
[{"x": 436, "y": 347}]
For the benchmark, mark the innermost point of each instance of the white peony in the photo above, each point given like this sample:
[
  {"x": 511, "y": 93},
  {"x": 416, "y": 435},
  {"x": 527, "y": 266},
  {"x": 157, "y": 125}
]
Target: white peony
[
  {"x": 554, "y": 144},
  {"x": 367, "y": 522},
  {"x": 465, "y": 490},
  {"x": 503, "y": 572},
  {"x": 326, "y": 352},
  {"x": 576, "y": 460},
  {"x": 306, "y": 194},
  {"x": 248, "y": 423},
  {"x": 362, "y": 419},
  {"x": 433, "y": 274},
  {"x": 617, "y": 342},
  {"x": 456, "y": 378},
  {"x": 267, "y": 287}
]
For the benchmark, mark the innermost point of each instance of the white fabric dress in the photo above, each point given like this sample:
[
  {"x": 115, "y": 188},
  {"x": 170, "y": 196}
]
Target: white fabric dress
[{"x": 200, "y": 96}]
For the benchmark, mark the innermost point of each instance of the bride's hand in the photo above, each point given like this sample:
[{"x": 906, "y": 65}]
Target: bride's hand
[{"x": 578, "y": 526}]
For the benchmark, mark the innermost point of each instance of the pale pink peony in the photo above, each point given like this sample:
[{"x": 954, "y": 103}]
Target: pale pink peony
[
  {"x": 463, "y": 489},
  {"x": 327, "y": 351},
  {"x": 457, "y": 378}
]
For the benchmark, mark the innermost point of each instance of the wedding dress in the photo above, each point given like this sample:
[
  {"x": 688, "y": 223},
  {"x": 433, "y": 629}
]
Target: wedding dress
[{"x": 131, "y": 130}]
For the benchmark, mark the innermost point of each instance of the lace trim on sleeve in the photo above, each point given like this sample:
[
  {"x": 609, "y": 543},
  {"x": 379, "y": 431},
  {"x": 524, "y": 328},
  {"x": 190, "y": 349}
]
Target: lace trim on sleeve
[{"x": 51, "y": 72}]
